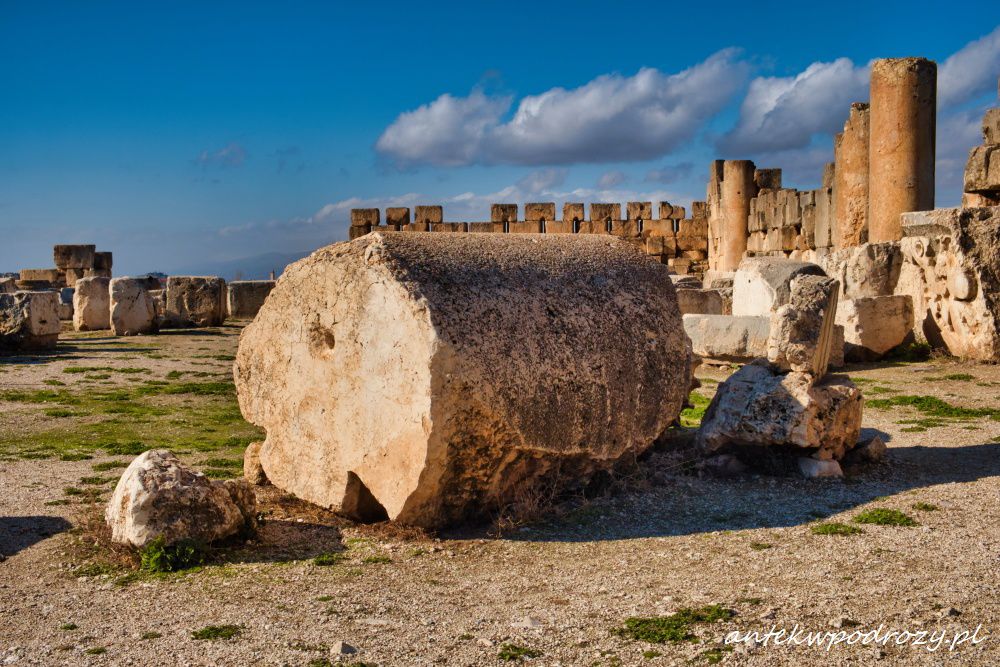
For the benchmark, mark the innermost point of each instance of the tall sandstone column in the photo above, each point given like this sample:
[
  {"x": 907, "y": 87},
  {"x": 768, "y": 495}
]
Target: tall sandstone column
[
  {"x": 901, "y": 145},
  {"x": 738, "y": 189},
  {"x": 850, "y": 185}
]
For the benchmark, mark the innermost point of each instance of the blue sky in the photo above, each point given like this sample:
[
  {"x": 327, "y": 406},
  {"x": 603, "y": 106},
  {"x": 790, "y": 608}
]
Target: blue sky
[{"x": 185, "y": 135}]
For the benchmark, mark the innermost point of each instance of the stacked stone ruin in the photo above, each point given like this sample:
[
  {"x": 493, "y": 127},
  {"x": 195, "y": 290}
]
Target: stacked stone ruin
[{"x": 669, "y": 236}]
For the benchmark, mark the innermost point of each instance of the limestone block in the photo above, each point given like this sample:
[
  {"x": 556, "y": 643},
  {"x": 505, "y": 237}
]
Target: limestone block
[
  {"x": 357, "y": 231},
  {"x": 525, "y": 227},
  {"x": 686, "y": 282},
  {"x": 430, "y": 215},
  {"x": 982, "y": 172},
  {"x": 92, "y": 304},
  {"x": 103, "y": 261},
  {"x": 73, "y": 275},
  {"x": 450, "y": 227},
  {"x": 365, "y": 217},
  {"x": 991, "y": 127},
  {"x": 486, "y": 227},
  {"x": 158, "y": 496},
  {"x": 536, "y": 212},
  {"x": 97, "y": 273},
  {"x": 837, "y": 347},
  {"x": 605, "y": 212},
  {"x": 503, "y": 212},
  {"x": 727, "y": 338},
  {"x": 8, "y": 285},
  {"x": 399, "y": 216},
  {"x": 824, "y": 218},
  {"x": 478, "y": 416},
  {"x": 42, "y": 275},
  {"x": 869, "y": 269},
  {"x": 655, "y": 245},
  {"x": 195, "y": 301},
  {"x": 558, "y": 226},
  {"x": 762, "y": 284},
  {"x": 132, "y": 310},
  {"x": 625, "y": 228},
  {"x": 801, "y": 332},
  {"x": 73, "y": 256},
  {"x": 29, "y": 321},
  {"x": 874, "y": 325},
  {"x": 414, "y": 227},
  {"x": 245, "y": 297},
  {"x": 758, "y": 407},
  {"x": 573, "y": 212},
  {"x": 639, "y": 210},
  {"x": 767, "y": 179},
  {"x": 954, "y": 249},
  {"x": 816, "y": 469},
  {"x": 700, "y": 301},
  {"x": 253, "y": 471},
  {"x": 829, "y": 173}
]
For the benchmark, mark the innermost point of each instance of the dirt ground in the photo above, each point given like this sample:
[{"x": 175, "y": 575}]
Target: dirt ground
[{"x": 556, "y": 589}]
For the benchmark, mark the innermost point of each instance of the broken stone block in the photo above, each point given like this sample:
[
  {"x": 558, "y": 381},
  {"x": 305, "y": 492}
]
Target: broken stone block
[
  {"x": 873, "y": 451},
  {"x": 92, "y": 304},
  {"x": 357, "y": 231},
  {"x": 700, "y": 301},
  {"x": 478, "y": 417},
  {"x": 727, "y": 338},
  {"x": 103, "y": 261},
  {"x": 539, "y": 212},
  {"x": 365, "y": 217},
  {"x": 73, "y": 275},
  {"x": 73, "y": 256},
  {"x": 837, "y": 347},
  {"x": 605, "y": 212},
  {"x": 8, "y": 285},
  {"x": 42, "y": 275},
  {"x": 870, "y": 269},
  {"x": 991, "y": 127},
  {"x": 253, "y": 472},
  {"x": 132, "y": 309},
  {"x": 762, "y": 284},
  {"x": 758, "y": 406},
  {"x": 397, "y": 216},
  {"x": 816, "y": 469},
  {"x": 982, "y": 171},
  {"x": 503, "y": 212},
  {"x": 245, "y": 297},
  {"x": 874, "y": 325},
  {"x": 573, "y": 212},
  {"x": 195, "y": 301},
  {"x": 159, "y": 497},
  {"x": 639, "y": 210},
  {"x": 767, "y": 179},
  {"x": 29, "y": 321},
  {"x": 428, "y": 215},
  {"x": 801, "y": 331}
]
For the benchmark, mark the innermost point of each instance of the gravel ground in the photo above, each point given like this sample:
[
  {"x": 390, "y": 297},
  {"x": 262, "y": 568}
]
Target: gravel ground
[{"x": 559, "y": 587}]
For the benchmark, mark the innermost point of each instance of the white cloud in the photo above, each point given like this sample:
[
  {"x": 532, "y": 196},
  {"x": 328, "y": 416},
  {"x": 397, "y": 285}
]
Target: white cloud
[
  {"x": 782, "y": 113},
  {"x": 970, "y": 71},
  {"x": 542, "y": 180},
  {"x": 670, "y": 173},
  {"x": 231, "y": 155},
  {"x": 610, "y": 119},
  {"x": 611, "y": 179}
]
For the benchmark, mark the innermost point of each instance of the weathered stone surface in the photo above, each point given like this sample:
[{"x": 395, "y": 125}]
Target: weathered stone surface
[
  {"x": 29, "y": 321},
  {"x": 801, "y": 331},
  {"x": 902, "y": 117},
  {"x": 253, "y": 471},
  {"x": 573, "y": 212},
  {"x": 816, "y": 469},
  {"x": 245, "y": 297},
  {"x": 428, "y": 215},
  {"x": 762, "y": 284},
  {"x": 982, "y": 171},
  {"x": 727, "y": 338},
  {"x": 537, "y": 212},
  {"x": 503, "y": 212},
  {"x": 850, "y": 190},
  {"x": 874, "y": 325},
  {"x": 8, "y": 285},
  {"x": 365, "y": 217},
  {"x": 103, "y": 261},
  {"x": 132, "y": 309},
  {"x": 951, "y": 271},
  {"x": 478, "y": 415},
  {"x": 92, "y": 304},
  {"x": 870, "y": 269},
  {"x": 837, "y": 346},
  {"x": 73, "y": 256},
  {"x": 45, "y": 275},
  {"x": 397, "y": 216},
  {"x": 703, "y": 301},
  {"x": 759, "y": 407},
  {"x": 195, "y": 301},
  {"x": 873, "y": 451},
  {"x": 991, "y": 127},
  {"x": 157, "y": 496}
]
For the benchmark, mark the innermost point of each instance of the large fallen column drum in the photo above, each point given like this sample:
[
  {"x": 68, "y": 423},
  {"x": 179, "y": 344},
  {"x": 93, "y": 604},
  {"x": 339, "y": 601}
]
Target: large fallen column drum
[{"x": 430, "y": 378}]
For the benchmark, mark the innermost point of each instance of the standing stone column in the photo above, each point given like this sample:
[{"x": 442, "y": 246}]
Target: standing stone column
[
  {"x": 901, "y": 145},
  {"x": 738, "y": 189},
  {"x": 850, "y": 185}
]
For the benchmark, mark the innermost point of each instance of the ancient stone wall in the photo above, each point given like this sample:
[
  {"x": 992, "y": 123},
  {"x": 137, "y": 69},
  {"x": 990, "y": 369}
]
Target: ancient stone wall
[{"x": 664, "y": 231}]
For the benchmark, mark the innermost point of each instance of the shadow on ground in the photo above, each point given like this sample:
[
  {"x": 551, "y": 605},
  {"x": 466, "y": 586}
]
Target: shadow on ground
[
  {"x": 686, "y": 505},
  {"x": 20, "y": 532}
]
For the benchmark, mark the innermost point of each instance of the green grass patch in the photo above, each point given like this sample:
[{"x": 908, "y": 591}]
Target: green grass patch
[
  {"x": 759, "y": 546},
  {"x": 834, "y": 528},
  {"x": 328, "y": 559},
  {"x": 933, "y": 407},
  {"x": 221, "y": 473},
  {"x": 674, "y": 628},
  {"x": 54, "y": 383},
  {"x": 97, "y": 480},
  {"x": 223, "y": 463},
  {"x": 880, "y": 516},
  {"x": 691, "y": 417},
  {"x": 74, "y": 370},
  {"x": 925, "y": 507},
  {"x": 151, "y": 634},
  {"x": 96, "y": 650},
  {"x": 376, "y": 560},
  {"x": 516, "y": 652},
  {"x": 75, "y": 456},
  {"x": 217, "y": 632},
  {"x": 951, "y": 377},
  {"x": 104, "y": 466},
  {"x": 158, "y": 556},
  {"x": 68, "y": 626},
  {"x": 714, "y": 656},
  {"x": 882, "y": 390}
]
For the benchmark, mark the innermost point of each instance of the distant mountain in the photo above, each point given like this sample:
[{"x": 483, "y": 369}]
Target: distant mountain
[{"x": 246, "y": 268}]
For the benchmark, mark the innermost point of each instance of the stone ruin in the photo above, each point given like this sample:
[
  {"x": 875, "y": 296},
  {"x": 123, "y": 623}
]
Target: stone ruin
[{"x": 428, "y": 378}]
